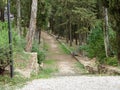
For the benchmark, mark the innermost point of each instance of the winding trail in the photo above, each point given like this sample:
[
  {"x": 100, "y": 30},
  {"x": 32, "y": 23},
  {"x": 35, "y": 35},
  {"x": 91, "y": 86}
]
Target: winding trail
[{"x": 66, "y": 78}]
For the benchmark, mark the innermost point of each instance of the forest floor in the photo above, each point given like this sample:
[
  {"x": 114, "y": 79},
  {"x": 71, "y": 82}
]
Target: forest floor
[{"x": 69, "y": 77}]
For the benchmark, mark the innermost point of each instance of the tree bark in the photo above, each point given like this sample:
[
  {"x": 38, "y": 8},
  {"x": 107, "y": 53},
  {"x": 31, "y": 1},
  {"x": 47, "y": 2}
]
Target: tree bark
[
  {"x": 32, "y": 26},
  {"x": 70, "y": 31},
  {"x": 76, "y": 39},
  {"x": 67, "y": 28},
  {"x": 19, "y": 18},
  {"x": 2, "y": 14},
  {"x": 39, "y": 36},
  {"x": 106, "y": 32}
]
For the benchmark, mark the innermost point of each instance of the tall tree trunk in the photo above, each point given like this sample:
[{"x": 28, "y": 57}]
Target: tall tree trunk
[
  {"x": 76, "y": 38},
  {"x": 99, "y": 10},
  {"x": 2, "y": 14},
  {"x": 67, "y": 34},
  {"x": 32, "y": 26},
  {"x": 106, "y": 32},
  {"x": 79, "y": 37},
  {"x": 39, "y": 36},
  {"x": 70, "y": 31},
  {"x": 19, "y": 18}
]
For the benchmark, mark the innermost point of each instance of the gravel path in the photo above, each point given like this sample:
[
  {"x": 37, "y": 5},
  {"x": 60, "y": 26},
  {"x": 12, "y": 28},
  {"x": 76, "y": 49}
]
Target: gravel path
[
  {"x": 75, "y": 83},
  {"x": 62, "y": 81}
]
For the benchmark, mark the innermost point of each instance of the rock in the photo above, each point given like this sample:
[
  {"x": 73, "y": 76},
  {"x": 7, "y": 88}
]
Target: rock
[{"x": 32, "y": 66}]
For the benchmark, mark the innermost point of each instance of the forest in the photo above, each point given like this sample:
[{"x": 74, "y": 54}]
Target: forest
[{"x": 90, "y": 28}]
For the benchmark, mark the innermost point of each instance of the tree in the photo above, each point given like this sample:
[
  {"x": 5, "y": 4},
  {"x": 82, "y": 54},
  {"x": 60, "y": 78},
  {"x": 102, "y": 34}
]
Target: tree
[
  {"x": 32, "y": 26},
  {"x": 2, "y": 7},
  {"x": 42, "y": 17},
  {"x": 106, "y": 28},
  {"x": 114, "y": 7},
  {"x": 19, "y": 17}
]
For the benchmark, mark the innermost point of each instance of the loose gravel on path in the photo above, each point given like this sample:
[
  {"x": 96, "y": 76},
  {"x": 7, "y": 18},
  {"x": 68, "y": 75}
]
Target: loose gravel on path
[
  {"x": 75, "y": 83},
  {"x": 62, "y": 81}
]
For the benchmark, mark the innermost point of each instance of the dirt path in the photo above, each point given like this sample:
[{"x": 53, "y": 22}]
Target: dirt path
[
  {"x": 65, "y": 63},
  {"x": 66, "y": 67}
]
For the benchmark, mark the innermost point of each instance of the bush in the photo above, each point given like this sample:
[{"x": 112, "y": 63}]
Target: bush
[
  {"x": 4, "y": 50},
  {"x": 17, "y": 44},
  {"x": 40, "y": 53},
  {"x": 4, "y": 59},
  {"x": 111, "y": 61},
  {"x": 95, "y": 44}
]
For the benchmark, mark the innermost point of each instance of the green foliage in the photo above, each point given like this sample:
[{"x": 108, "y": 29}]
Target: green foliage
[
  {"x": 49, "y": 62},
  {"x": 18, "y": 44},
  {"x": 3, "y": 34},
  {"x": 111, "y": 61},
  {"x": 64, "y": 48},
  {"x": 17, "y": 81},
  {"x": 81, "y": 66},
  {"x": 4, "y": 50},
  {"x": 95, "y": 44},
  {"x": 40, "y": 52},
  {"x": 2, "y": 3},
  {"x": 4, "y": 58},
  {"x": 43, "y": 14},
  {"x": 45, "y": 73},
  {"x": 113, "y": 42},
  {"x": 48, "y": 69},
  {"x": 45, "y": 46}
]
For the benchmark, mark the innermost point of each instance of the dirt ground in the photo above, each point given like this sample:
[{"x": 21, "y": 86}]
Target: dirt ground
[{"x": 65, "y": 63}]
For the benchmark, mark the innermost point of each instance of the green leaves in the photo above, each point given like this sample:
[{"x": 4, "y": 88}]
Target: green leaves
[
  {"x": 85, "y": 16},
  {"x": 3, "y": 34},
  {"x": 95, "y": 43}
]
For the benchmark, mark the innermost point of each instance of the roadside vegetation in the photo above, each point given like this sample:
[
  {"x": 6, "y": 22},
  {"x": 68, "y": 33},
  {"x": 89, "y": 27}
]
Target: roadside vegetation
[
  {"x": 49, "y": 68},
  {"x": 6, "y": 83}
]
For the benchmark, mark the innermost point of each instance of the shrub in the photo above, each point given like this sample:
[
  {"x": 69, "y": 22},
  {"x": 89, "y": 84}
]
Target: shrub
[
  {"x": 95, "y": 44},
  {"x": 40, "y": 53},
  {"x": 17, "y": 44},
  {"x": 4, "y": 50},
  {"x": 4, "y": 59},
  {"x": 111, "y": 61}
]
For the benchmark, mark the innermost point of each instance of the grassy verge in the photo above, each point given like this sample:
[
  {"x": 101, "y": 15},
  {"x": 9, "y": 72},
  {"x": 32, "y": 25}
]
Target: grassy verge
[
  {"x": 6, "y": 83},
  {"x": 21, "y": 60},
  {"x": 47, "y": 71},
  {"x": 64, "y": 48},
  {"x": 80, "y": 67}
]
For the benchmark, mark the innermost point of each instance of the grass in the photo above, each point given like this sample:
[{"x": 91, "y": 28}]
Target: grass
[
  {"x": 64, "y": 48},
  {"x": 49, "y": 62},
  {"x": 21, "y": 60},
  {"x": 6, "y": 83},
  {"x": 47, "y": 71},
  {"x": 45, "y": 46},
  {"x": 80, "y": 67}
]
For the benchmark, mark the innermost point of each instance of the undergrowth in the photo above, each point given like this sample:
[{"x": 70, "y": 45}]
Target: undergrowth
[
  {"x": 64, "y": 48},
  {"x": 80, "y": 67},
  {"x": 47, "y": 71},
  {"x": 6, "y": 83}
]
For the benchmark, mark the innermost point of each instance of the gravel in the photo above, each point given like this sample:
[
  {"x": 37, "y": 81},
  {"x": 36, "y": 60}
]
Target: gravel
[{"x": 75, "y": 83}]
